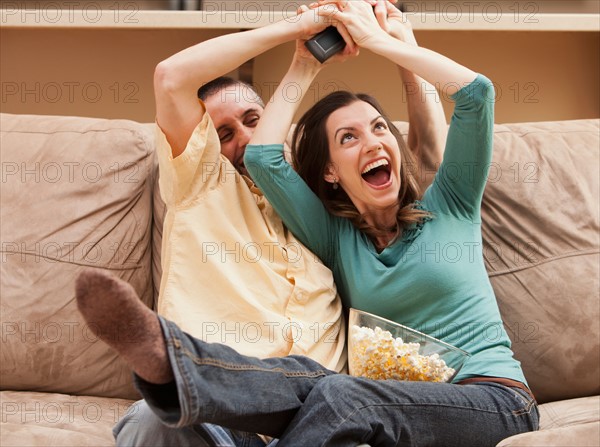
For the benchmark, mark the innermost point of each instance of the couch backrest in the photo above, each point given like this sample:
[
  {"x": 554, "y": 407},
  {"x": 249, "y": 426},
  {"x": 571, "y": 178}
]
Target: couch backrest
[
  {"x": 76, "y": 192},
  {"x": 81, "y": 192},
  {"x": 541, "y": 235}
]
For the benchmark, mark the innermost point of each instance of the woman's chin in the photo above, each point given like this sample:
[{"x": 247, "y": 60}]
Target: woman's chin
[{"x": 383, "y": 203}]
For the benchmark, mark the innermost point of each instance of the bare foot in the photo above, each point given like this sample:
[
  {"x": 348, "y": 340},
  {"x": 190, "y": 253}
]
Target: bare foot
[{"x": 118, "y": 317}]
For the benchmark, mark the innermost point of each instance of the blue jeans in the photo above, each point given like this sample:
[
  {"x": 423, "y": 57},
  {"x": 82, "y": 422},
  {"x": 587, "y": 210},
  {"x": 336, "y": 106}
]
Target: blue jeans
[
  {"x": 140, "y": 426},
  {"x": 298, "y": 401}
]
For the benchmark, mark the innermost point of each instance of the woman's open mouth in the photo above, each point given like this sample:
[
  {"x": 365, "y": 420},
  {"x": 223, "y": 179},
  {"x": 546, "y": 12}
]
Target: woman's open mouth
[{"x": 378, "y": 174}]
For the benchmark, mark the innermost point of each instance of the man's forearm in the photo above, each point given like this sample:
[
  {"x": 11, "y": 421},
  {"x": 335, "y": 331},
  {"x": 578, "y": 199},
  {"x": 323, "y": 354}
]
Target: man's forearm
[
  {"x": 427, "y": 120},
  {"x": 177, "y": 79},
  {"x": 192, "y": 67}
]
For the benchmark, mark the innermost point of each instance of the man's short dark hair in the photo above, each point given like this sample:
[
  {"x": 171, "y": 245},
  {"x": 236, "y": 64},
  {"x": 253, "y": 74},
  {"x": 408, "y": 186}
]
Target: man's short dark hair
[{"x": 222, "y": 82}]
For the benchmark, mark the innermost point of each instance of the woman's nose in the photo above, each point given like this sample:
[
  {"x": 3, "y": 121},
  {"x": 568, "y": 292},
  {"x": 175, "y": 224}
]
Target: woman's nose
[{"x": 373, "y": 145}]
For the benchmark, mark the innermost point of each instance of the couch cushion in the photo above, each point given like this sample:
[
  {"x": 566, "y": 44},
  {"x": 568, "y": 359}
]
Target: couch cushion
[
  {"x": 569, "y": 413},
  {"x": 541, "y": 247},
  {"x": 584, "y": 435},
  {"x": 48, "y": 419},
  {"x": 76, "y": 193}
]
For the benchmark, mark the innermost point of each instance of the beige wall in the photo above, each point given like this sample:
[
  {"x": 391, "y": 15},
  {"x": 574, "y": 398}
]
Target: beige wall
[
  {"x": 539, "y": 76},
  {"x": 89, "y": 72},
  {"x": 108, "y": 73}
]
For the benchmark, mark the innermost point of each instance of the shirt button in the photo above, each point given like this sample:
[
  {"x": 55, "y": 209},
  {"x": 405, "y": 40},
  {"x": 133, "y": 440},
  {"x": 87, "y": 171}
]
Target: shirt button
[{"x": 301, "y": 297}]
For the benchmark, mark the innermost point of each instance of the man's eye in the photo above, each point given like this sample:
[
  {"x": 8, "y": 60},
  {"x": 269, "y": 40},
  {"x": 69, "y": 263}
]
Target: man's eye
[
  {"x": 225, "y": 137},
  {"x": 252, "y": 122}
]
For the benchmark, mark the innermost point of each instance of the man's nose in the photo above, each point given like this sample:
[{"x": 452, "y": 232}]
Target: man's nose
[{"x": 244, "y": 135}]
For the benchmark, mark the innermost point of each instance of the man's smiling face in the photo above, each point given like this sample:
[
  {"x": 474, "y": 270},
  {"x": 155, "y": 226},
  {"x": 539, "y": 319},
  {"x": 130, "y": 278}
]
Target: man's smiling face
[{"x": 235, "y": 111}]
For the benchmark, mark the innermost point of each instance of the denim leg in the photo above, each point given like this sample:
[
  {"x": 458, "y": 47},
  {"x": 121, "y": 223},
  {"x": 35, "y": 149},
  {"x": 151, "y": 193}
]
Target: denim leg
[
  {"x": 346, "y": 411},
  {"x": 215, "y": 384},
  {"x": 141, "y": 427}
]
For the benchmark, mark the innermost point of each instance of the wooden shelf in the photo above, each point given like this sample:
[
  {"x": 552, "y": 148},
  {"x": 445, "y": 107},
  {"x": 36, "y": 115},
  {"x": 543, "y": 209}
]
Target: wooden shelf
[
  {"x": 100, "y": 62},
  {"x": 236, "y": 20}
]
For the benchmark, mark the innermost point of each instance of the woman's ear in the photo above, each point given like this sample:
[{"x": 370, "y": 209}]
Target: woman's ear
[{"x": 330, "y": 174}]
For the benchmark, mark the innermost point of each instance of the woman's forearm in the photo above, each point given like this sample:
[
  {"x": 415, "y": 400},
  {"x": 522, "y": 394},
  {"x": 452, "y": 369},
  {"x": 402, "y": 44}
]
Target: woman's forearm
[
  {"x": 279, "y": 113},
  {"x": 435, "y": 68}
]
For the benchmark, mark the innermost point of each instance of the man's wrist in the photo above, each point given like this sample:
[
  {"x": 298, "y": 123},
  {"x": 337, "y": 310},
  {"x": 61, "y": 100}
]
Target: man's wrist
[
  {"x": 306, "y": 65},
  {"x": 286, "y": 31}
]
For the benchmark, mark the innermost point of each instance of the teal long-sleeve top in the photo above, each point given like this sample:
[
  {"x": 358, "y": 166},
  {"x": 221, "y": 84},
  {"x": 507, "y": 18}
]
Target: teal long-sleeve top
[{"x": 433, "y": 277}]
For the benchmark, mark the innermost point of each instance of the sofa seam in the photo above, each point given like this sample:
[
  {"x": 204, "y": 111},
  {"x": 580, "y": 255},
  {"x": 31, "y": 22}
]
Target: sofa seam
[
  {"x": 62, "y": 261},
  {"x": 80, "y": 132},
  {"x": 544, "y": 261},
  {"x": 542, "y": 131}
]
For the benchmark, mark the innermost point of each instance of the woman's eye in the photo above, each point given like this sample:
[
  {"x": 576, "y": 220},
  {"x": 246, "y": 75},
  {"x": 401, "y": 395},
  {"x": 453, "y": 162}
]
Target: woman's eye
[
  {"x": 346, "y": 137},
  {"x": 381, "y": 125}
]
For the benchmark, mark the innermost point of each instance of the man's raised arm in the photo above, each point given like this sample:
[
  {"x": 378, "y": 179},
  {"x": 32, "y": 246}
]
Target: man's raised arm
[
  {"x": 177, "y": 79},
  {"x": 427, "y": 122}
]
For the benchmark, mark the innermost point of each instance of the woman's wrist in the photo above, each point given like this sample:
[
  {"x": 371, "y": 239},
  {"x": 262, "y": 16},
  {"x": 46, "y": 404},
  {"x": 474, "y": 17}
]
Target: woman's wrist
[
  {"x": 381, "y": 42},
  {"x": 406, "y": 37}
]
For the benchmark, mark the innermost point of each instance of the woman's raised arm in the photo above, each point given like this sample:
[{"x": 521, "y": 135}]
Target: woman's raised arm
[
  {"x": 278, "y": 115},
  {"x": 362, "y": 25}
]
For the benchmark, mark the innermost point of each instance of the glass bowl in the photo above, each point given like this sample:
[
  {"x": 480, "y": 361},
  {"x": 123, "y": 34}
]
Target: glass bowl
[{"x": 381, "y": 349}]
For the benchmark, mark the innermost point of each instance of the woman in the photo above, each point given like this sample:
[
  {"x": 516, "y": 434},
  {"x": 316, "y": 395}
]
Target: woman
[
  {"x": 418, "y": 263},
  {"x": 294, "y": 398}
]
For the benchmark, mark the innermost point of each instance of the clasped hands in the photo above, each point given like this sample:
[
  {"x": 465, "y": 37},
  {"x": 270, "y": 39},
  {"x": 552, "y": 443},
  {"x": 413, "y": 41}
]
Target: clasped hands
[{"x": 359, "y": 22}]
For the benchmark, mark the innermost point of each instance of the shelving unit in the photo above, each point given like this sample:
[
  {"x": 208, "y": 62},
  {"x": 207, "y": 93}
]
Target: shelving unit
[
  {"x": 99, "y": 62},
  {"x": 444, "y": 20}
]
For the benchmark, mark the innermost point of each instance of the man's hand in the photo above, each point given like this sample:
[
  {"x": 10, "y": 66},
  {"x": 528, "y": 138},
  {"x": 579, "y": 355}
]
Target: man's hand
[
  {"x": 303, "y": 57},
  {"x": 394, "y": 22}
]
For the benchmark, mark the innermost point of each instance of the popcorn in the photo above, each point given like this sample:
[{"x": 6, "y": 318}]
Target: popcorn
[{"x": 375, "y": 354}]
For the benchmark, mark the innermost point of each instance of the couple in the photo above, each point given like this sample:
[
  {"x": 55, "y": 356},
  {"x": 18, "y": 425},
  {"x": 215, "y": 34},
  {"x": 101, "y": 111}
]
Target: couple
[{"x": 352, "y": 200}]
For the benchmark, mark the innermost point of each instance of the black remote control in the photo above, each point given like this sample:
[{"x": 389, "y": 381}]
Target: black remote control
[
  {"x": 328, "y": 42},
  {"x": 325, "y": 44}
]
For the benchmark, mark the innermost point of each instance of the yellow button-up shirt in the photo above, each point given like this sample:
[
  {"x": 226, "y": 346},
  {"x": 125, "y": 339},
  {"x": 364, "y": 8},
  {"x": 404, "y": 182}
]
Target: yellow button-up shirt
[{"x": 232, "y": 273}]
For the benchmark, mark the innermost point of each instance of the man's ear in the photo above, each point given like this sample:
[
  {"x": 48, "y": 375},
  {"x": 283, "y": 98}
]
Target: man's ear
[{"x": 330, "y": 174}]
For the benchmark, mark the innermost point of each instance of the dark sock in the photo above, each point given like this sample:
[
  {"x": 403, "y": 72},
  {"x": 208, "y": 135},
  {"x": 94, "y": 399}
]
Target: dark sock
[{"x": 116, "y": 315}]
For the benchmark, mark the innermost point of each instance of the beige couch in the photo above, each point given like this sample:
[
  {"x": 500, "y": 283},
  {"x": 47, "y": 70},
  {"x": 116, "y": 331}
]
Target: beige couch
[{"x": 80, "y": 192}]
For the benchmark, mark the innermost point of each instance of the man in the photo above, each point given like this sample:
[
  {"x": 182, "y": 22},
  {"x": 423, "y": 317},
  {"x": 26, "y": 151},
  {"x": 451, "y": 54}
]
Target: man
[{"x": 232, "y": 273}]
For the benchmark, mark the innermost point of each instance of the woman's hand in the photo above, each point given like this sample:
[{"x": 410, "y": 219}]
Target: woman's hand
[{"x": 358, "y": 19}]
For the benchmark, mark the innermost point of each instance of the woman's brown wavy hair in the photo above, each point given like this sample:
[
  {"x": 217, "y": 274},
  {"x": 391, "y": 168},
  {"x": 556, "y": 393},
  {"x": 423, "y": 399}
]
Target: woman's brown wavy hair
[{"x": 310, "y": 156}]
